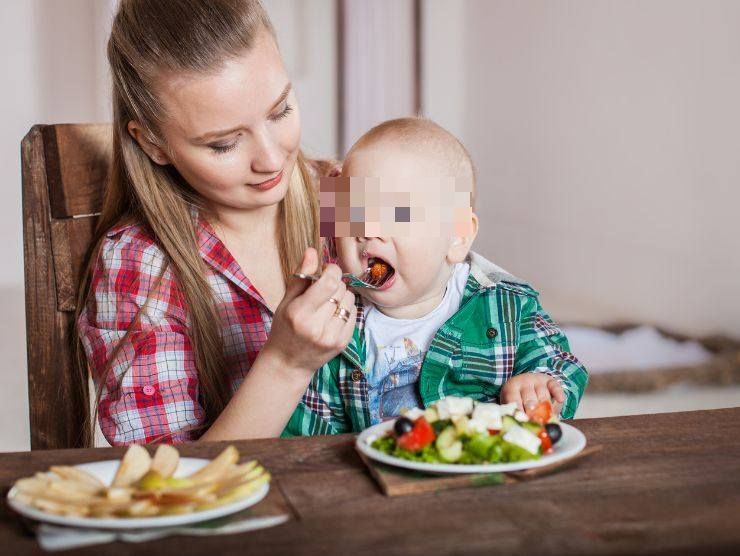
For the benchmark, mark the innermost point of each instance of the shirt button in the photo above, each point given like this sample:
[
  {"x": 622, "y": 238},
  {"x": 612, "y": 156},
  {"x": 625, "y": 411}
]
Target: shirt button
[
  {"x": 148, "y": 390},
  {"x": 356, "y": 375},
  {"x": 491, "y": 333}
]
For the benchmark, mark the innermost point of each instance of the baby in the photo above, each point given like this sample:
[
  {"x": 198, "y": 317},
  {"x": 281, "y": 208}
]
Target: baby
[{"x": 444, "y": 321}]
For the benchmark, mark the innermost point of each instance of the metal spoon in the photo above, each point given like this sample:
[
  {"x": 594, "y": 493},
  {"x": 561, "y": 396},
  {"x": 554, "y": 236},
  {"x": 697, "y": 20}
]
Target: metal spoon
[{"x": 365, "y": 280}]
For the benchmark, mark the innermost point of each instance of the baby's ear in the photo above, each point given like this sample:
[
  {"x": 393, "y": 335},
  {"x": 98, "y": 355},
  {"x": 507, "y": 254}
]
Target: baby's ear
[{"x": 462, "y": 241}]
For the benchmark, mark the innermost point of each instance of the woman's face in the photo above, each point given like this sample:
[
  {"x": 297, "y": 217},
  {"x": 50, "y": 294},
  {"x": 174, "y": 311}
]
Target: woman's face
[{"x": 233, "y": 135}]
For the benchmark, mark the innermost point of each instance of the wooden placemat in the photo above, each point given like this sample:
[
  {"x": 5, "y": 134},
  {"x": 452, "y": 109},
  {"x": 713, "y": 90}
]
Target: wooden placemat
[{"x": 396, "y": 481}]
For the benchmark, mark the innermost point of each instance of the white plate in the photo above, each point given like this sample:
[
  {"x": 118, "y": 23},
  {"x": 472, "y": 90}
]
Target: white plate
[
  {"x": 572, "y": 442},
  {"x": 105, "y": 470}
]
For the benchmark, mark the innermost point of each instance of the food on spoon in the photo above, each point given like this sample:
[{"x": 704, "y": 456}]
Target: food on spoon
[{"x": 378, "y": 270}]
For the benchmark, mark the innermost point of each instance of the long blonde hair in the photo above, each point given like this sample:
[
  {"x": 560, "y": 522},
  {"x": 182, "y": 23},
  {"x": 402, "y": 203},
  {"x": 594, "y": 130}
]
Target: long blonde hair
[{"x": 148, "y": 38}]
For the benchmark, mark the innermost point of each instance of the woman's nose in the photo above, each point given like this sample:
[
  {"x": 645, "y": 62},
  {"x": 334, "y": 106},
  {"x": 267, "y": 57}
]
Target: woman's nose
[{"x": 268, "y": 156}]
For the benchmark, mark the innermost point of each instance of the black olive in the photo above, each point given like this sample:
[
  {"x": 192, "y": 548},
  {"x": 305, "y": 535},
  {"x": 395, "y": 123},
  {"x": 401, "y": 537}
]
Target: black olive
[
  {"x": 554, "y": 432},
  {"x": 402, "y": 426}
]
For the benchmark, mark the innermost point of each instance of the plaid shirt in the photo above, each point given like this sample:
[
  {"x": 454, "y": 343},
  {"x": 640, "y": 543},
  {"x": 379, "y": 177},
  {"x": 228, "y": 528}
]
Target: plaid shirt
[
  {"x": 499, "y": 331},
  {"x": 150, "y": 392}
]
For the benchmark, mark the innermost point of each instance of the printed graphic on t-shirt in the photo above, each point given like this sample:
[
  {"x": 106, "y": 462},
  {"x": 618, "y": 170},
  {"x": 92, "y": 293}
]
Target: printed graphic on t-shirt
[{"x": 399, "y": 364}]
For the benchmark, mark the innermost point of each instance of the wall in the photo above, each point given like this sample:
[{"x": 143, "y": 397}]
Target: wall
[{"x": 606, "y": 136}]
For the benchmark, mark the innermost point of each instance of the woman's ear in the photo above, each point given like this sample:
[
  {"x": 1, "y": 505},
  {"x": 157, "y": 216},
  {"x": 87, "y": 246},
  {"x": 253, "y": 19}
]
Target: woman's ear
[
  {"x": 156, "y": 153},
  {"x": 462, "y": 241}
]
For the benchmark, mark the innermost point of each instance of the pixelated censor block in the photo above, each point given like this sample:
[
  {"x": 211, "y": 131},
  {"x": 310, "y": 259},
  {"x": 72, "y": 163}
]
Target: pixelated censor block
[{"x": 395, "y": 207}]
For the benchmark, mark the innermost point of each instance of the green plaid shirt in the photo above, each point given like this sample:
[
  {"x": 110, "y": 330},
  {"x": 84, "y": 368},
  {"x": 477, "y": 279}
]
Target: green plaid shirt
[{"x": 499, "y": 331}]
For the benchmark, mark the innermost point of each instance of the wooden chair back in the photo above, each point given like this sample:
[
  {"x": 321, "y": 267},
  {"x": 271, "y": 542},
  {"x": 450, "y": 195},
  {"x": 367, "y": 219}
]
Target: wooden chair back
[{"x": 64, "y": 171}]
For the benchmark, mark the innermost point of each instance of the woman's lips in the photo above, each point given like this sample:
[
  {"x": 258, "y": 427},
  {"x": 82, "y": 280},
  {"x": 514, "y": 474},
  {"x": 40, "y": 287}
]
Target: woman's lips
[{"x": 269, "y": 184}]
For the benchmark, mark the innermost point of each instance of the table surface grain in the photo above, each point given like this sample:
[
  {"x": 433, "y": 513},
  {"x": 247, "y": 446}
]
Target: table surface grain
[{"x": 663, "y": 484}]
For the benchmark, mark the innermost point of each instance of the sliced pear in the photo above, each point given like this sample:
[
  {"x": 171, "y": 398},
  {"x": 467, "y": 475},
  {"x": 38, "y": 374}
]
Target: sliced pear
[
  {"x": 237, "y": 493},
  {"x": 135, "y": 464},
  {"x": 75, "y": 474},
  {"x": 216, "y": 468},
  {"x": 165, "y": 461},
  {"x": 152, "y": 481}
]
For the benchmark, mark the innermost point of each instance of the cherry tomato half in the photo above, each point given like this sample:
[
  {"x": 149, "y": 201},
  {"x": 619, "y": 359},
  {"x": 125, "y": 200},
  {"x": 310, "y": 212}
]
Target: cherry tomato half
[
  {"x": 418, "y": 437},
  {"x": 545, "y": 441},
  {"x": 540, "y": 413}
]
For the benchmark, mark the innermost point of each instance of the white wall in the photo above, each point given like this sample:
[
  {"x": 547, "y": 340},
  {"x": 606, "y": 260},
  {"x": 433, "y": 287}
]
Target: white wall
[
  {"x": 378, "y": 65},
  {"x": 52, "y": 55},
  {"x": 606, "y": 134},
  {"x": 52, "y": 63}
]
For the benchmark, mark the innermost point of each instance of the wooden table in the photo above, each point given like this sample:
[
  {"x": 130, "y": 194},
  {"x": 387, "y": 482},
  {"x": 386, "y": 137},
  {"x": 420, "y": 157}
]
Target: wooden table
[{"x": 663, "y": 484}]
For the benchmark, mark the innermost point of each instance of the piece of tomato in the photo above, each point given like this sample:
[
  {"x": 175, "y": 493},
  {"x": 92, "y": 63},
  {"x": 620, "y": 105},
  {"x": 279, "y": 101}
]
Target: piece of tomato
[
  {"x": 493, "y": 432},
  {"x": 545, "y": 441},
  {"x": 418, "y": 437},
  {"x": 540, "y": 413}
]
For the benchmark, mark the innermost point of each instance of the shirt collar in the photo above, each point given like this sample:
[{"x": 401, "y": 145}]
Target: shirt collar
[{"x": 215, "y": 254}]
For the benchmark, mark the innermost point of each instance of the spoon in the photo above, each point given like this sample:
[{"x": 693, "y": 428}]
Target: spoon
[{"x": 365, "y": 280}]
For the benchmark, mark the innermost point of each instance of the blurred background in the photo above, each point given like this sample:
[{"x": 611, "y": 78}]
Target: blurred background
[{"x": 605, "y": 133}]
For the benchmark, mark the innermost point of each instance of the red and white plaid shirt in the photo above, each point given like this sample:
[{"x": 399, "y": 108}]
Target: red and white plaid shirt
[{"x": 157, "y": 399}]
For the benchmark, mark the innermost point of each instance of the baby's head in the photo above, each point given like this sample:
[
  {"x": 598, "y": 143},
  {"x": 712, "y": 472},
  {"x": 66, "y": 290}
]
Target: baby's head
[{"x": 408, "y": 186}]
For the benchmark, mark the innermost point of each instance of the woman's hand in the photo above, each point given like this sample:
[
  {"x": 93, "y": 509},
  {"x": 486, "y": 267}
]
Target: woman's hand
[
  {"x": 306, "y": 329},
  {"x": 527, "y": 389}
]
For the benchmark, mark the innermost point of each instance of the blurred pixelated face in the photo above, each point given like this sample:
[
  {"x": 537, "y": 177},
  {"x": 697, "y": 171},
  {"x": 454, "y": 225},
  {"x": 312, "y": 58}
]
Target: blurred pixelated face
[
  {"x": 407, "y": 213},
  {"x": 234, "y": 135}
]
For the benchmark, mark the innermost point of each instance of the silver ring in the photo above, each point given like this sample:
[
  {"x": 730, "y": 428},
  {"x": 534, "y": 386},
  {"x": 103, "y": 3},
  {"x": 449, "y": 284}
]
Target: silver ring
[{"x": 342, "y": 313}]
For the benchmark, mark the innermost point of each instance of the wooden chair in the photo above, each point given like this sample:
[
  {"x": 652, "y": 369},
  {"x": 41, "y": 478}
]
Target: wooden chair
[{"x": 64, "y": 172}]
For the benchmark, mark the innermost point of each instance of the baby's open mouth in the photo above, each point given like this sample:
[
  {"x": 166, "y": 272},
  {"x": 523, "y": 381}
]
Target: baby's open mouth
[{"x": 379, "y": 271}]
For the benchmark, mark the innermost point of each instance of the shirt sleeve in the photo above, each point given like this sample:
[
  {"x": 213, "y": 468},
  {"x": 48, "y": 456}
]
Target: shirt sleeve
[
  {"x": 134, "y": 332},
  {"x": 321, "y": 410},
  {"x": 543, "y": 348}
]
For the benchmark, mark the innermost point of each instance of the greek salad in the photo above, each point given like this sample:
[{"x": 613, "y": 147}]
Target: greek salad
[{"x": 464, "y": 431}]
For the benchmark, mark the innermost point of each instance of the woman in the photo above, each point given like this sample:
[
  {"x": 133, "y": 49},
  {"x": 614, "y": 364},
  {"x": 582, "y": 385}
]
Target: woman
[{"x": 210, "y": 209}]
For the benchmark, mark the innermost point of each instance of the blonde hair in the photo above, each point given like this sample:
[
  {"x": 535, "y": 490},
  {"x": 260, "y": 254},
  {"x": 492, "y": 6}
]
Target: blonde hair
[
  {"x": 147, "y": 39},
  {"x": 423, "y": 136}
]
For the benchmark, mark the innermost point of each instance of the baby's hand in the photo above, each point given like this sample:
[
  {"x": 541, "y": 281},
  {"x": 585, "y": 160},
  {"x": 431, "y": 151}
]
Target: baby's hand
[{"x": 529, "y": 388}]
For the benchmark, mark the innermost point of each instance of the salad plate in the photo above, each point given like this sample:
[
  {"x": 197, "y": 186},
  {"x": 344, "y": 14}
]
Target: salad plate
[{"x": 379, "y": 442}]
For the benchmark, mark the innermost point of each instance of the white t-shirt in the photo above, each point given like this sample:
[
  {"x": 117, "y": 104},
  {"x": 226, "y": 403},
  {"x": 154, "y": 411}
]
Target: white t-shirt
[{"x": 395, "y": 350}]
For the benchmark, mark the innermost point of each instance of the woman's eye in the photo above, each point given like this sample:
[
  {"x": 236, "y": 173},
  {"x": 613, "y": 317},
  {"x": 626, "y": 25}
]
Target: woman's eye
[
  {"x": 280, "y": 115},
  {"x": 224, "y": 148}
]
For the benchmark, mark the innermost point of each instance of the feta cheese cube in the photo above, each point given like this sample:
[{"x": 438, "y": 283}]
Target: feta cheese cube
[
  {"x": 488, "y": 414},
  {"x": 414, "y": 413},
  {"x": 453, "y": 406},
  {"x": 523, "y": 438},
  {"x": 520, "y": 415},
  {"x": 477, "y": 425}
]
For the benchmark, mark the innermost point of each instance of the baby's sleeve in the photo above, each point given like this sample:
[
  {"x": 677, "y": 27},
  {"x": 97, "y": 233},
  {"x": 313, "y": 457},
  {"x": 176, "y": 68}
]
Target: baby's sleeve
[
  {"x": 134, "y": 332},
  {"x": 321, "y": 409},
  {"x": 543, "y": 348}
]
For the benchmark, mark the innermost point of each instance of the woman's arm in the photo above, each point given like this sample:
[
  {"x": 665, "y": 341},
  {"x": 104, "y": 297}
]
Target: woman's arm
[
  {"x": 305, "y": 334},
  {"x": 139, "y": 352},
  {"x": 264, "y": 402}
]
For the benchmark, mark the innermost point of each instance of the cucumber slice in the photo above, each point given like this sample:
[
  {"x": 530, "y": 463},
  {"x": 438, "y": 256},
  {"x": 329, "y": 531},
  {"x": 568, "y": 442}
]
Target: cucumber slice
[
  {"x": 446, "y": 438},
  {"x": 532, "y": 427},
  {"x": 507, "y": 421},
  {"x": 461, "y": 424},
  {"x": 431, "y": 415},
  {"x": 452, "y": 453}
]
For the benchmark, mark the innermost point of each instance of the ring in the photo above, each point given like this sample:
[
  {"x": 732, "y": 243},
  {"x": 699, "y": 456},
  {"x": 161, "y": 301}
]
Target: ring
[
  {"x": 334, "y": 301},
  {"x": 342, "y": 313}
]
